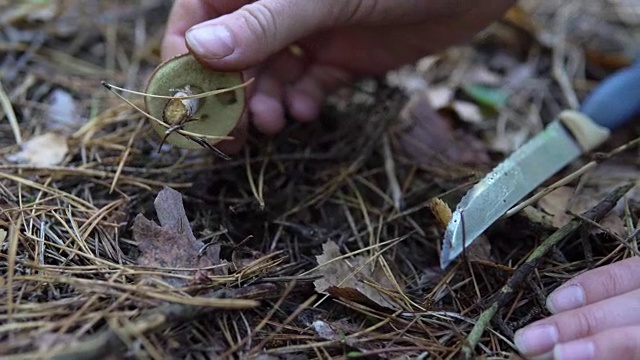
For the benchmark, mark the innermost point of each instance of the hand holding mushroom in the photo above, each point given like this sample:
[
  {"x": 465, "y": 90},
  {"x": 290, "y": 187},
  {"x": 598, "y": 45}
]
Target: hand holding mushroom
[{"x": 341, "y": 40}]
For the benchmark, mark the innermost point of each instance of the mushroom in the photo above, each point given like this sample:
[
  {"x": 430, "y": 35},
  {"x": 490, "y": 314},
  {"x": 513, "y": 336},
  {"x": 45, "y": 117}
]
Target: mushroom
[{"x": 184, "y": 78}]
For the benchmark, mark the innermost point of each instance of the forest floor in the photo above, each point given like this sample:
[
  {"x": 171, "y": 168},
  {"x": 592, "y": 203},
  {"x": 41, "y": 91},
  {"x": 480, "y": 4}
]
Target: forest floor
[{"x": 321, "y": 242}]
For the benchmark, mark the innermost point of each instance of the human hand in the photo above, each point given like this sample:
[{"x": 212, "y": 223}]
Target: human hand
[
  {"x": 341, "y": 41},
  {"x": 596, "y": 316}
]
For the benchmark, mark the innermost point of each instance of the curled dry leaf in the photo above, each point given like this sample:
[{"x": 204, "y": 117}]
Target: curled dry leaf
[
  {"x": 172, "y": 244},
  {"x": 353, "y": 278},
  {"x": 44, "y": 150},
  {"x": 441, "y": 212}
]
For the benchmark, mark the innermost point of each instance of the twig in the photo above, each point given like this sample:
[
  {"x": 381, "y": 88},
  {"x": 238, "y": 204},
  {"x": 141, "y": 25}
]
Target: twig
[
  {"x": 626, "y": 242},
  {"x": 523, "y": 272}
]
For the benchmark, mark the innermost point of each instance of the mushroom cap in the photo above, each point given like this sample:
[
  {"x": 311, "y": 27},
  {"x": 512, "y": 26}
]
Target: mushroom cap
[{"x": 218, "y": 114}]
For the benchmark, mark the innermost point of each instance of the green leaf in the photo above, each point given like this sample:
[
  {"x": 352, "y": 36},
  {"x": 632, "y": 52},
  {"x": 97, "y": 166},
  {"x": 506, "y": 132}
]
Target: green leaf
[{"x": 488, "y": 96}]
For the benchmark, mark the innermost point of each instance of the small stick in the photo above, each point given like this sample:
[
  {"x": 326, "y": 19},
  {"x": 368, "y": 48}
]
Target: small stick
[{"x": 523, "y": 272}]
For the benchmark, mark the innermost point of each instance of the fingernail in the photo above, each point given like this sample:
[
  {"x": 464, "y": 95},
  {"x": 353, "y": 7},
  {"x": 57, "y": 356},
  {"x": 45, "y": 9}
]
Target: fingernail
[
  {"x": 576, "y": 350},
  {"x": 537, "y": 339},
  {"x": 211, "y": 41},
  {"x": 566, "y": 298}
]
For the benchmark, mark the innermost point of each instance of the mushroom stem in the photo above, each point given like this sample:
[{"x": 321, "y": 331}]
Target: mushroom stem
[{"x": 181, "y": 108}]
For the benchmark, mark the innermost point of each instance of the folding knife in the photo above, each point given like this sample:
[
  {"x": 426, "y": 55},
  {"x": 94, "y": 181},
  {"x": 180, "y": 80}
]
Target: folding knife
[{"x": 574, "y": 132}]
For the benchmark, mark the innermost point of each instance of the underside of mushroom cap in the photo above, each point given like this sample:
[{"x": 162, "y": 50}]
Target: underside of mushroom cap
[{"x": 217, "y": 115}]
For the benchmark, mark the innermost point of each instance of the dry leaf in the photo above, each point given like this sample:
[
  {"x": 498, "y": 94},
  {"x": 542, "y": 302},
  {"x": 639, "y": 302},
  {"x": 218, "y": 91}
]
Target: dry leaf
[
  {"x": 41, "y": 151},
  {"x": 171, "y": 245},
  {"x": 243, "y": 256},
  {"x": 407, "y": 79},
  {"x": 556, "y": 203},
  {"x": 425, "y": 64},
  {"x": 510, "y": 140},
  {"x": 427, "y": 137},
  {"x": 466, "y": 111},
  {"x": 338, "y": 331},
  {"x": 480, "y": 74},
  {"x": 561, "y": 199},
  {"x": 479, "y": 249},
  {"x": 439, "y": 96},
  {"x": 324, "y": 330},
  {"x": 596, "y": 186},
  {"x": 62, "y": 114},
  {"x": 348, "y": 278}
]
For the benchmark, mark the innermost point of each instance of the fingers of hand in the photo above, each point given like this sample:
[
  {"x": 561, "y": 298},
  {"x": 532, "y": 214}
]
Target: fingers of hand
[
  {"x": 284, "y": 85},
  {"x": 305, "y": 96},
  {"x": 541, "y": 337},
  {"x": 595, "y": 285},
  {"x": 252, "y": 33},
  {"x": 266, "y": 106},
  {"x": 620, "y": 343}
]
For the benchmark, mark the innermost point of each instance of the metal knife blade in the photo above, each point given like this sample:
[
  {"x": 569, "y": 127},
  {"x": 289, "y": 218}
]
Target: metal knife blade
[{"x": 536, "y": 161}]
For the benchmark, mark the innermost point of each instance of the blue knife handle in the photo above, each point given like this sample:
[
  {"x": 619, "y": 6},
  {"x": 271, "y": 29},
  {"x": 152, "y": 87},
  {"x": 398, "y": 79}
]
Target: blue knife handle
[{"x": 616, "y": 99}]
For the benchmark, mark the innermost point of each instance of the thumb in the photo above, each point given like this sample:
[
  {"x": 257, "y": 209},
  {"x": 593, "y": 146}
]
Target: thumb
[{"x": 249, "y": 35}]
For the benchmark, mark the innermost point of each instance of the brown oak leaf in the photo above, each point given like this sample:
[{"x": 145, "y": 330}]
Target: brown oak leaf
[
  {"x": 172, "y": 243},
  {"x": 353, "y": 278}
]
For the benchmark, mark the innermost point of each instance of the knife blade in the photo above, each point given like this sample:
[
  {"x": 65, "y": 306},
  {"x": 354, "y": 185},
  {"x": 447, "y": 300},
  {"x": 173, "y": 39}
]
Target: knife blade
[{"x": 610, "y": 105}]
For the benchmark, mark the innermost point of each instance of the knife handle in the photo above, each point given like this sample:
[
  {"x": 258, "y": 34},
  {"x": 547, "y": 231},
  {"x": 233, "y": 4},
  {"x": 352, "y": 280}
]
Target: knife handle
[
  {"x": 616, "y": 99},
  {"x": 586, "y": 131}
]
